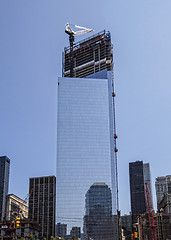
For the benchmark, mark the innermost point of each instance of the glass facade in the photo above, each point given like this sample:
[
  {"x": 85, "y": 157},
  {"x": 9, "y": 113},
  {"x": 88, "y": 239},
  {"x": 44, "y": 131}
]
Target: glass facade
[
  {"x": 147, "y": 178},
  {"x": 98, "y": 219},
  {"x": 85, "y": 145},
  {"x": 4, "y": 182}
]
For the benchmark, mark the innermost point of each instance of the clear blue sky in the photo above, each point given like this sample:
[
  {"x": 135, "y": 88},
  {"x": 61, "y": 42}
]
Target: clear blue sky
[{"x": 31, "y": 43}]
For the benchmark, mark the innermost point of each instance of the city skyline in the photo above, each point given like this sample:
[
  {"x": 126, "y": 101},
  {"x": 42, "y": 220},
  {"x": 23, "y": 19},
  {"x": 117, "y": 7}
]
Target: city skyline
[{"x": 31, "y": 49}]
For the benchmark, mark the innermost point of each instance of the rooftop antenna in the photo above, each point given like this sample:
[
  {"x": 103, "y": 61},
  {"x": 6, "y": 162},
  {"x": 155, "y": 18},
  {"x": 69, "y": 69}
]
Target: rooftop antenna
[{"x": 71, "y": 34}]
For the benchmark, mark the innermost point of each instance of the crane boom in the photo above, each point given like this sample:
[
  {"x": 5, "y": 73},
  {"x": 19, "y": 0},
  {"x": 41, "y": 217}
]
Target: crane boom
[
  {"x": 71, "y": 34},
  {"x": 69, "y": 30}
]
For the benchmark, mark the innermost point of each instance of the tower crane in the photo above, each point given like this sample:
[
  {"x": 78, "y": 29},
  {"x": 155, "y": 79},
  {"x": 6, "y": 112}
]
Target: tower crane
[{"x": 71, "y": 34}]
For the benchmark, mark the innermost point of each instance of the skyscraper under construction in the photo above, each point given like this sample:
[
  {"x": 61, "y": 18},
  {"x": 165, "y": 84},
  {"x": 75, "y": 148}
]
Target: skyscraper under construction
[{"x": 86, "y": 134}]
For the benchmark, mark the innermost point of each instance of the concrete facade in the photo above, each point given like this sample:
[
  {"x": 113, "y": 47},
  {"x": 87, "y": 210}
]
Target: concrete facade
[
  {"x": 42, "y": 203},
  {"x": 163, "y": 185},
  {"x": 15, "y": 206},
  {"x": 165, "y": 204}
]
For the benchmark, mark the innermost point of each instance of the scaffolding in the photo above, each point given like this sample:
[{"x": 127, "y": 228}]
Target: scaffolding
[{"x": 89, "y": 56}]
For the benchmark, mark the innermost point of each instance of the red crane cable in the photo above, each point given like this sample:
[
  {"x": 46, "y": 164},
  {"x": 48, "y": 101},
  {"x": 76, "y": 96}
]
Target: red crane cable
[
  {"x": 150, "y": 213},
  {"x": 28, "y": 195}
]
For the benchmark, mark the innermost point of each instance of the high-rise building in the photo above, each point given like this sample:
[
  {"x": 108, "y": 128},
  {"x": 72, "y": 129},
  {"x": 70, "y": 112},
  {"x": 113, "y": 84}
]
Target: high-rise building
[
  {"x": 86, "y": 149},
  {"x": 15, "y": 206},
  {"x": 4, "y": 182},
  {"x": 42, "y": 202},
  {"x": 163, "y": 185},
  {"x": 98, "y": 219},
  {"x": 147, "y": 178},
  {"x": 137, "y": 189}
]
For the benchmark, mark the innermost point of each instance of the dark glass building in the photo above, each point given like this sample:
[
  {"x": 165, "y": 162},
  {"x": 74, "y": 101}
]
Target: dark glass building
[
  {"x": 4, "y": 182},
  {"x": 98, "y": 221},
  {"x": 42, "y": 202},
  {"x": 137, "y": 189}
]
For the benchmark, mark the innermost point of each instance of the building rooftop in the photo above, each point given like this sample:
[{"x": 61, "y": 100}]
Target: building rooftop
[
  {"x": 13, "y": 195},
  {"x": 99, "y": 185},
  {"x": 41, "y": 177}
]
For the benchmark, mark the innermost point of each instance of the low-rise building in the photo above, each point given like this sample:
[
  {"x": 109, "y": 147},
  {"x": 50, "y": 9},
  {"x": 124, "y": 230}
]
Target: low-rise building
[
  {"x": 163, "y": 226},
  {"x": 26, "y": 228}
]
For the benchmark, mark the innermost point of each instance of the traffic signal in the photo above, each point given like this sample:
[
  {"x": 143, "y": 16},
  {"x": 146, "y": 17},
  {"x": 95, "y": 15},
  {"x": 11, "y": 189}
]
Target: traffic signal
[
  {"x": 17, "y": 222},
  {"x": 136, "y": 234},
  {"x": 132, "y": 236}
]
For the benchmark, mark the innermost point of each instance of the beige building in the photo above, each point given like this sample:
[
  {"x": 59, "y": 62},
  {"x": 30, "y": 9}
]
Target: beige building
[
  {"x": 15, "y": 206},
  {"x": 165, "y": 204},
  {"x": 163, "y": 185}
]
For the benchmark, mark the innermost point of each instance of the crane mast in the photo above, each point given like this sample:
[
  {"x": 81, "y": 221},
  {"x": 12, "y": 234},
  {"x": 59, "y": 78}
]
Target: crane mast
[
  {"x": 150, "y": 213},
  {"x": 71, "y": 34}
]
